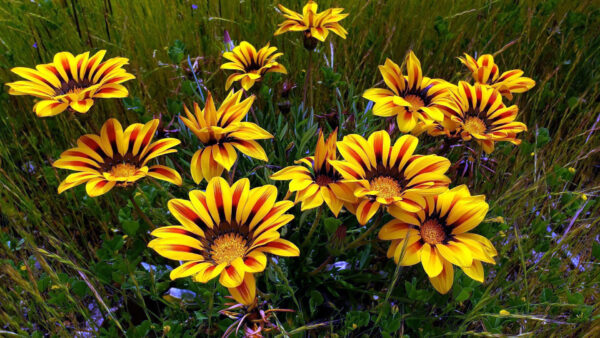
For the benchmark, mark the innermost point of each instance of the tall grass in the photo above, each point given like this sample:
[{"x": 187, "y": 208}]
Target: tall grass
[{"x": 72, "y": 264}]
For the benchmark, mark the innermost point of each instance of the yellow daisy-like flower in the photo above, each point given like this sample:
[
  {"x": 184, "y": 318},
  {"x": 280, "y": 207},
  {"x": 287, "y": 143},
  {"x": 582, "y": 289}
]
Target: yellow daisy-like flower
[
  {"x": 116, "y": 157},
  {"x": 412, "y": 98},
  {"x": 485, "y": 71},
  {"x": 225, "y": 231},
  {"x": 320, "y": 182},
  {"x": 479, "y": 113},
  {"x": 389, "y": 175},
  {"x": 438, "y": 237},
  {"x": 72, "y": 82},
  {"x": 314, "y": 25},
  {"x": 250, "y": 65},
  {"x": 221, "y": 133}
]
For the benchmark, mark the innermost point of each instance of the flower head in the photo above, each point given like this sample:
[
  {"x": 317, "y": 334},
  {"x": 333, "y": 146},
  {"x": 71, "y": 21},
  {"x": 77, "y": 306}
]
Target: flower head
[
  {"x": 411, "y": 98},
  {"x": 478, "y": 113},
  {"x": 314, "y": 25},
  {"x": 318, "y": 181},
  {"x": 389, "y": 175},
  {"x": 116, "y": 157},
  {"x": 72, "y": 82},
  {"x": 226, "y": 231},
  {"x": 438, "y": 237},
  {"x": 249, "y": 65},
  {"x": 221, "y": 133},
  {"x": 486, "y": 72}
]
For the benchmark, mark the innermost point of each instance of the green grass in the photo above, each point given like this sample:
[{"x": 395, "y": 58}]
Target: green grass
[{"x": 66, "y": 260}]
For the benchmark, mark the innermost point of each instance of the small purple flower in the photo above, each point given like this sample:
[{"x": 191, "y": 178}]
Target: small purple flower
[
  {"x": 35, "y": 45},
  {"x": 227, "y": 40},
  {"x": 194, "y": 7}
]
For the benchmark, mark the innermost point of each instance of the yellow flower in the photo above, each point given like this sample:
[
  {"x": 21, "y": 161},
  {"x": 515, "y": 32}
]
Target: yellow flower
[
  {"x": 320, "y": 182},
  {"x": 225, "y": 231},
  {"x": 221, "y": 133},
  {"x": 72, "y": 82},
  {"x": 250, "y": 65},
  {"x": 381, "y": 174},
  {"x": 314, "y": 25},
  {"x": 480, "y": 114},
  {"x": 504, "y": 313},
  {"x": 116, "y": 157},
  {"x": 412, "y": 98},
  {"x": 438, "y": 237},
  {"x": 485, "y": 71}
]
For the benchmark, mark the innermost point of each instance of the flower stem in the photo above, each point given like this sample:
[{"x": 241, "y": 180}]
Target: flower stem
[
  {"x": 358, "y": 242},
  {"x": 313, "y": 227},
  {"x": 287, "y": 285},
  {"x": 308, "y": 79},
  {"x": 140, "y": 212}
]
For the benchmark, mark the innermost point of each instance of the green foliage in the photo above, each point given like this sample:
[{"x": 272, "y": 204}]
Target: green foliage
[{"x": 74, "y": 265}]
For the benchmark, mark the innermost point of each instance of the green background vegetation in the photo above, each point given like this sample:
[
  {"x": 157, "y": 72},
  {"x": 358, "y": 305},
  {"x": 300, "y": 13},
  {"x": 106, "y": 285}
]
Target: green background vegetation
[{"x": 68, "y": 260}]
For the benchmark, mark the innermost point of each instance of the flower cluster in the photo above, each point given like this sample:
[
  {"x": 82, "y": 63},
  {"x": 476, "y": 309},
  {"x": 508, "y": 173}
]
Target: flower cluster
[{"x": 227, "y": 229}]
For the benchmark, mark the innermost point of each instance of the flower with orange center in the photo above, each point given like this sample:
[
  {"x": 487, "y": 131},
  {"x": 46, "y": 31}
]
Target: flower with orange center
[
  {"x": 411, "y": 98},
  {"x": 316, "y": 26},
  {"x": 249, "y": 65},
  {"x": 72, "y": 82},
  {"x": 486, "y": 72},
  {"x": 438, "y": 237},
  {"x": 479, "y": 113},
  {"x": 318, "y": 182},
  {"x": 225, "y": 231},
  {"x": 221, "y": 133},
  {"x": 116, "y": 157},
  {"x": 382, "y": 174}
]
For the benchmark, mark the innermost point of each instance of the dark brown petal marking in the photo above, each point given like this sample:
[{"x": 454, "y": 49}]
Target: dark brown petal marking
[
  {"x": 183, "y": 248},
  {"x": 164, "y": 172},
  {"x": 92, "y": 144},
  {"x": 190, "y": 214}
]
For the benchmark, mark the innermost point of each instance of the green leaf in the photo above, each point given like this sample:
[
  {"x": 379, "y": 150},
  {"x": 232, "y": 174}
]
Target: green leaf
[
  {"x": 464, "y": 294},
  {"x": 130, "y": 227},
  {"x": 177, "y": 51},
  {"x": 331, "y": 224},
  {"x": 596, "y": 251},
  {"x": 542, "y": 137},
  {"x": 315, "y": 300}
]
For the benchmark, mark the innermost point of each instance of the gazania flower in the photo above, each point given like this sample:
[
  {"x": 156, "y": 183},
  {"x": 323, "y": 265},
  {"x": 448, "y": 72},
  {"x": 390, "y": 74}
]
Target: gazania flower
[
  {"x": 116, "y": 157},
  {"x": 316, "y": 26},
  {"x": 72, "y": 82},
  {"x": 221, "y": 133},
  {"x": 411, "y": 98},
  {"x": 480, "y": 114},
  {"x": 250, "y": 65},
  {"x": 389, "y": 175},
  {"x": 485, "y": 71},
  {"x": 438, "y": 237},
  {"x": 318, "y": 182},
  {"x": 226, "y": 231}
]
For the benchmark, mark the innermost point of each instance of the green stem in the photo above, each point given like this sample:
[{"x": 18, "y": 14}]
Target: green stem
[
  {"x": 313, "y": 227},
  {"x": 140, "y": 212},
  {"x": 357, "y": 242},
  {"x": 287, "y": 285},
  {"x": 308, "y": 79}
]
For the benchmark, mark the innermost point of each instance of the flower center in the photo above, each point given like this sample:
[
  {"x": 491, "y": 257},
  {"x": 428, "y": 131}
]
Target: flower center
[
  {"x": 474, "y": 125},
  {"x": 415, "y": 101},
  {"x": 323, "y": 180},
  {"x": 73, "y": 86},
  {"x": 123, "y": 170},
  {"x": 386, "y": 187},
  {"x": 433, "y": 232},
  {"x": 227, "y": 248}
]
